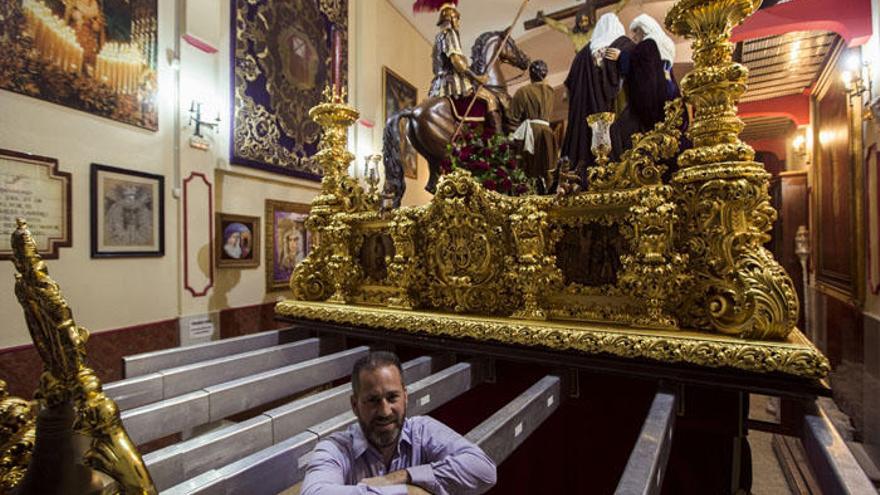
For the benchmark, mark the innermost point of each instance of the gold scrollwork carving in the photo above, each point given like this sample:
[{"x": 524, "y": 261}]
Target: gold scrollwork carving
[
  {"x": 642, "y": 165},
  {"x": 66, "y": 378},
  {"x": 738, "y": 288},
  {"x": 17, "y": 437},
  {"x": 795, "y": 356}
]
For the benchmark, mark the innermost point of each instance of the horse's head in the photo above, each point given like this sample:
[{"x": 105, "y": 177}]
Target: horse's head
[{"x": 485, "y": 47}]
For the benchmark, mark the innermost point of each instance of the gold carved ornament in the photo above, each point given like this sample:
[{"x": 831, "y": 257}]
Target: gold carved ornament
[
  {"x": 738, "y": 288},
  {"x": 66, "y": 378},
  {"x": 17, "y": 438}
]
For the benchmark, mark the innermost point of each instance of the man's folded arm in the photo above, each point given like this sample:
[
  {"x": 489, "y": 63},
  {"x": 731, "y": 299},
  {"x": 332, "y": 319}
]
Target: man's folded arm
[
  {"x": 455, "y": 465},
  {"x": 324, "y": 476}
]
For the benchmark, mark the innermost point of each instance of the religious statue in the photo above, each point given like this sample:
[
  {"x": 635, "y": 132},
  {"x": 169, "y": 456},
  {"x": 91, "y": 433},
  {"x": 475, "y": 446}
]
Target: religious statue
[
  {"x": 531, "y": 109},
  {"x": 593, "y": 84},
  {"x": 648, "y": 82},
  {"x": 453, "y": 76},
  {"x": 580, "y": 33}
]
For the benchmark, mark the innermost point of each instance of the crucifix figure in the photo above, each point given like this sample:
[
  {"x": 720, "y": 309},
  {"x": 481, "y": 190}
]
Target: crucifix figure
[{"x": 585, "y": 20}]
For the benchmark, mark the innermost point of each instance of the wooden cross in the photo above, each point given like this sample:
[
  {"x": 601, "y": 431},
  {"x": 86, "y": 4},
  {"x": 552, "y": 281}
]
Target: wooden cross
[{"x": 589, "y": 6}]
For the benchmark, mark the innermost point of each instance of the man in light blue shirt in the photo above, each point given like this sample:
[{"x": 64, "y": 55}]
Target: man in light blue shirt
[{"x": 386, "y": 453}]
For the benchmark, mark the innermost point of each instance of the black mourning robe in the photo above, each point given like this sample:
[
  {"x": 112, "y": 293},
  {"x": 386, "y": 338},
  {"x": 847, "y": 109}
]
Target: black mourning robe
[
  {"x": 647, "y": 91},
  {"x": 591, "y": 89}
]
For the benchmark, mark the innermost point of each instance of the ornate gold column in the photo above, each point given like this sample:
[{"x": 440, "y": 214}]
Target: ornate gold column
[
  {"x": 725, "y": 210},
  {"x": 329, "y": 270}
]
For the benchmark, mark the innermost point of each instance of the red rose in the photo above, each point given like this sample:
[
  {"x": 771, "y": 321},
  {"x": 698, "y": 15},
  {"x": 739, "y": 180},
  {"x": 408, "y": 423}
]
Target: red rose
[
  {"x": 489, "y": 184},
  {"x": 505, "y": 185},
  {"x": 501, "y": 173},
  {"x": 521, "y": 188},
  {"x": 512, "y": 165},
  {"x": 503, "y": 147}
]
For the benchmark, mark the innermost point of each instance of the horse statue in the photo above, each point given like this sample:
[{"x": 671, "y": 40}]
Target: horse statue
[{"x": 431, "y": 123}]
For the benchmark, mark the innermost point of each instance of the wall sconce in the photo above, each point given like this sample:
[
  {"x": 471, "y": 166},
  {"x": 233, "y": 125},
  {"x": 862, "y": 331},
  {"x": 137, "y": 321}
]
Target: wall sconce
[
  {"x": 197, "y": 140},
  {"x": 858, "y": 86}
]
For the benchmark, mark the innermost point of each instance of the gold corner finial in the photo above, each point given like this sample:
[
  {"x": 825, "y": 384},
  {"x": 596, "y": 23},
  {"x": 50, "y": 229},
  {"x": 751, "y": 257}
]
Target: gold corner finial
[
  {"x": 67, "y": 378},
  {"x": 335, "y": 94}
]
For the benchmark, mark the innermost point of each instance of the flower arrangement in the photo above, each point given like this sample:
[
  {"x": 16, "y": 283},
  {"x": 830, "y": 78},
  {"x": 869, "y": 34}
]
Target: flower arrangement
[{"x": 490, "y": 159}]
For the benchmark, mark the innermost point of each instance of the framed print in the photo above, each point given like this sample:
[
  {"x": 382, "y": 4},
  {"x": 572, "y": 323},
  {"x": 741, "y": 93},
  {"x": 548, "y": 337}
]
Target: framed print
[
  {"x": 398, "y": 95},
  {"x": 97, "y": 56},
  {"x": 287, "y": 241},
  {"x": 32, "y": 188},
  {"x": 273, "y": 90},
  {"x": 127, "y": 213},
  {"x": 238, "y": 241}
]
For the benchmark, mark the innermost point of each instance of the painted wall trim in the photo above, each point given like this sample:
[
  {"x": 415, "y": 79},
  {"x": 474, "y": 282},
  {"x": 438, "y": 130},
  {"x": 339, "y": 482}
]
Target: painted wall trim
[{"x": 210, "y": 220}]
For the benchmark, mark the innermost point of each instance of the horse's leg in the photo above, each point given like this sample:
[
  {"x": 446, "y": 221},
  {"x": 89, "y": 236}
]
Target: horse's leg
[{"x": 430, "y": 132}]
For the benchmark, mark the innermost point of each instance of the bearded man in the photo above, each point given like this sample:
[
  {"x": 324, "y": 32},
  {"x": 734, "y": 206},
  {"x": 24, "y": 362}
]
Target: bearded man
[{"x": 387, "y": 453}]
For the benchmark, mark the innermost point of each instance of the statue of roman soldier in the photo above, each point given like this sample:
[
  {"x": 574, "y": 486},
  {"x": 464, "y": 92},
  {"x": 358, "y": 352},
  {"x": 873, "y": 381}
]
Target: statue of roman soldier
[{"x": 452, "y": 74}]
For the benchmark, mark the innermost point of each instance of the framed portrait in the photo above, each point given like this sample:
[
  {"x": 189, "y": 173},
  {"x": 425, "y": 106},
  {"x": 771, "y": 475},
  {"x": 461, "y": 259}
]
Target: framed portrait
[
  {"x": 287, "y": 241},
  {"x": 34, "y": 189},
  {"x": 398, "y": 95},
  {"x": 97, "y": 56},
  {"x": 273, "y": 90},
  {"x": 237, "y": 241},
  {"x": 127, "y": 213}
]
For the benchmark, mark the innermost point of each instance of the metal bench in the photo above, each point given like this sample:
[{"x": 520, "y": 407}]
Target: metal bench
[
  {"x": 164, "y": 384},
  {"x": 151, "y": 362},
  {"x": 505, "y": 430},
  {"x": 646, "y": 466},
  {"x": 217, "y": 402}
]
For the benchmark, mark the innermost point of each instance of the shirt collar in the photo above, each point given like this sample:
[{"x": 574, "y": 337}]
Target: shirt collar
[{"x": 360, "y": 444}]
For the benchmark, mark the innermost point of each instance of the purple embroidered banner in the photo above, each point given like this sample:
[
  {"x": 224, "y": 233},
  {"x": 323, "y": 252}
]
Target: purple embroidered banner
[{"x": 282, "y": 58}]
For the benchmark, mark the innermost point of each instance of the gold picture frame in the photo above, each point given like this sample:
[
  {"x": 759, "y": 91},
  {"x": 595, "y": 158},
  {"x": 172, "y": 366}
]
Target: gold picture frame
[
  {"x": 287, "y": 241},
  {"x": 398, "y": 94},
  {"x": 237, "y": 241}
]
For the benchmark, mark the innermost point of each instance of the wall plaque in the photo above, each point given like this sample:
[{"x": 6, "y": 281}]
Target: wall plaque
[{"x": 32, "y": 187}]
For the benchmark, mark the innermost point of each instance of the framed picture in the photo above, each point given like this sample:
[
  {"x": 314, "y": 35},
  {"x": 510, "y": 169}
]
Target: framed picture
[
  {"x": 127, "y": 213},
  {"x": 287, "y": 241},
  {"x": 400, "y": 94},
  {"x": 97, "y": 56},
  {"x": 237, "y": 241},
  {"x": 34, "y": 189}
]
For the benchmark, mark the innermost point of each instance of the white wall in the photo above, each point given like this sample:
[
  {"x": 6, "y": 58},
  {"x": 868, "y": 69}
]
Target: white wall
[{"x": 114, "y": 293}]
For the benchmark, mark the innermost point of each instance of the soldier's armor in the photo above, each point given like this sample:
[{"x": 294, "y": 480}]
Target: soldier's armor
[{"x": 448, "y": 82}]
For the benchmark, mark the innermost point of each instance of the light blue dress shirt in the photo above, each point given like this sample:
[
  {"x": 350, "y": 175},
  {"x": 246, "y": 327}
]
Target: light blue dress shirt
[{"x": 437, "y": 459}]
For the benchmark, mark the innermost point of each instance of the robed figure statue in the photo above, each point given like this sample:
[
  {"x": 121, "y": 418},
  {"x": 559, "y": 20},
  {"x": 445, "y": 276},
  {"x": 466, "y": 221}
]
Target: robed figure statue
[
  {"x": 648, "y": 81},
  {"x": 593, "y": 85},
  {"x": 530, "y": 110}
]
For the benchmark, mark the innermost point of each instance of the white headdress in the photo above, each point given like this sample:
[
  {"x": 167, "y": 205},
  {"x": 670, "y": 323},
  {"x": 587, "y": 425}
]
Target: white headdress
[
  {"x": 608, "y": 29},
  {"x": 653, "y": 31}
]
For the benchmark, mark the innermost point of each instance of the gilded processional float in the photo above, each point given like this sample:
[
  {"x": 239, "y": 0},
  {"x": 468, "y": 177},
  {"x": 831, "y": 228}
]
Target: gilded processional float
[{"x": 693, "y": 283}]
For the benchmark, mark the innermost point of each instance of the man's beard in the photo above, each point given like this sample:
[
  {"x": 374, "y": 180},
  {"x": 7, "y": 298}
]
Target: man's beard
[{"x": 382, "y": 438}]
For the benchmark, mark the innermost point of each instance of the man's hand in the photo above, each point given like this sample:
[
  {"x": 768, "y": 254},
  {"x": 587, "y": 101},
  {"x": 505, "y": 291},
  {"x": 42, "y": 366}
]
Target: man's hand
[
  {"x": 399, "y": 477},
  {"x": 612, "y": 53},
  {"x": 481, "y": 78}
]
